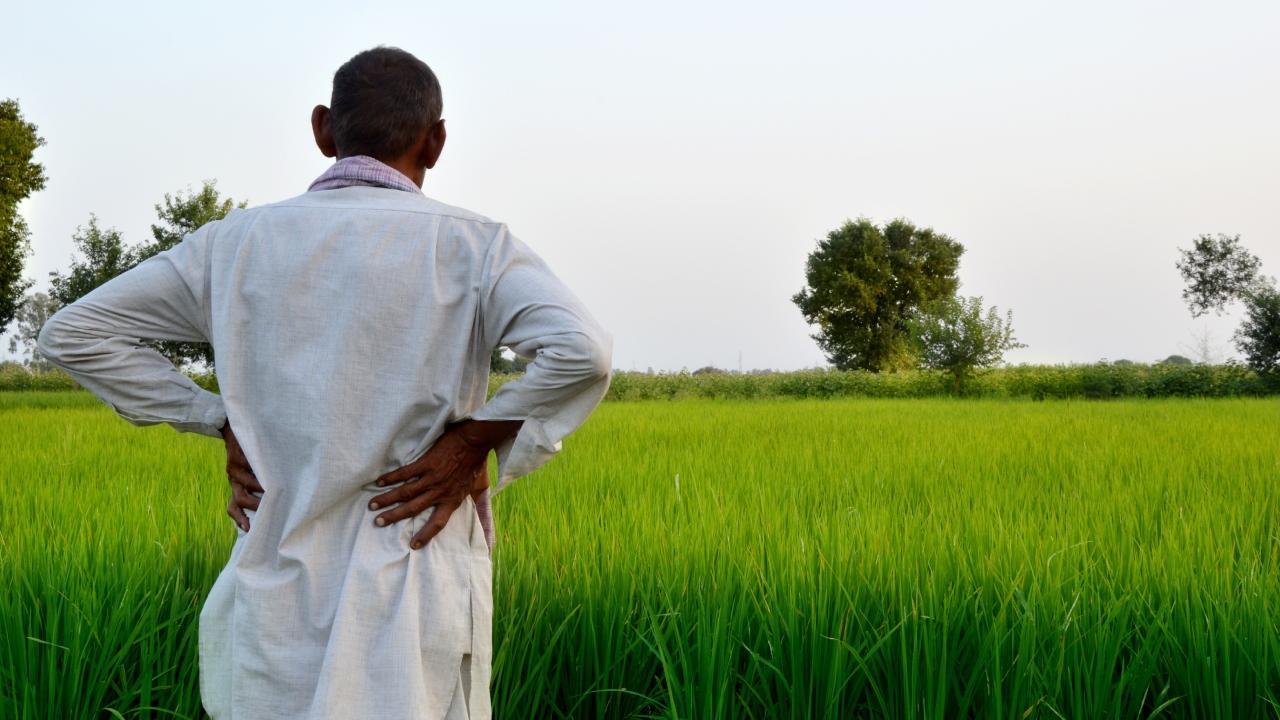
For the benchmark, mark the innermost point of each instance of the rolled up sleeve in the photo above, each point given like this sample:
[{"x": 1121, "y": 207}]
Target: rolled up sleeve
[
  {"x": 97, "y": 340},
  {"x": 526, "y": 307}
]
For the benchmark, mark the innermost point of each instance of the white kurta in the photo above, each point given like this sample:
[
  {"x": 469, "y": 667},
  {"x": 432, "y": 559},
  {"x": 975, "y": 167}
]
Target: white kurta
[{"x": 349, "y": 326}]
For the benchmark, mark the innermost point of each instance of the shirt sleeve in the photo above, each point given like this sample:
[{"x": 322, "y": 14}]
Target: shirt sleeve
[
  {"x": 97, "y": 339},
  {"x": 526, "y": 307}
]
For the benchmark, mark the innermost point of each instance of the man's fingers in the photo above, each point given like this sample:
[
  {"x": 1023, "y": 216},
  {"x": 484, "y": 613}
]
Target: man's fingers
[
  {"x": 413, "y": 507},
  {"x": 237, "y": 515},
  {"x": 244, "y": 475},
  {"x": 400, "y": 474},
  {"x": 241, "y": 497},
  {"x": 434, "y": 525},
  {"x": 405, "y": 492},
  {"x": 239, "y": 475}
]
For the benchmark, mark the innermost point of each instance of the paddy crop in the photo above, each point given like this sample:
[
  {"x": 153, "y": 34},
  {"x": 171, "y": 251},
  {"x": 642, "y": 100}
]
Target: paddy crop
[{"x": 711, "y": 558}]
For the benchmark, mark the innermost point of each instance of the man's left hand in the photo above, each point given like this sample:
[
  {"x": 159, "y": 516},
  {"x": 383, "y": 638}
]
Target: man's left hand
[{"x": 243, "y": 482}]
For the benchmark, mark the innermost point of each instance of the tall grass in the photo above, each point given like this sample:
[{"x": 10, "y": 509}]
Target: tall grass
[{"x": 705, "y": 559}]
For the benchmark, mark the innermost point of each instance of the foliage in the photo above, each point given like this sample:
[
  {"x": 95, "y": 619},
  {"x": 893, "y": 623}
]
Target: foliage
[
  {"x": 1038, "y": 382},
  {"x": 1220, "y": 270},
  {"x": 20, "y": 176},
  {"x": 500, "y": 363},
  {"x": 775, "y": 559},
  {"x": 104, "y": 255},
  {"x": 1216, "y": 271},
  {"x": 1258, "y": 337},
  {"x": 35, "y": 310},
  {"x": 180, "y": 216},
  {"x": 1177, "y": 360},
  {"x": 955, "y": 335},
  {"x": 863, "y": 282}
]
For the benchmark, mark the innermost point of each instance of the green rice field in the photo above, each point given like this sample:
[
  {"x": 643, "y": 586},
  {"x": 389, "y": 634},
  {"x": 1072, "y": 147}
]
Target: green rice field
[{"x": 779, "y": 558}]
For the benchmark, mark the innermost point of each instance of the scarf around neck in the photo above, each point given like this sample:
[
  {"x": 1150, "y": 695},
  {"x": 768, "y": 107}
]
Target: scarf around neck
[{"x": 363, "y": 170}]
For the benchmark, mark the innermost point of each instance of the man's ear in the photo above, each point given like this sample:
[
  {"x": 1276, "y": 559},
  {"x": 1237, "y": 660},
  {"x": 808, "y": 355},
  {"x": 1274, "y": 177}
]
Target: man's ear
[
  {"x": 323, "y": 132},
  {"x": 433, "y": 144}
]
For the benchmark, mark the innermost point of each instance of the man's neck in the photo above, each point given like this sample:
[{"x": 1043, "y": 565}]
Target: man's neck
[{"x": 406, "y": 166}]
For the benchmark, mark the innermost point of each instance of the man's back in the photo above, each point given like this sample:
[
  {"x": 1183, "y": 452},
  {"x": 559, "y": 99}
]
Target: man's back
[
  {"x": 349, "y": 327},
  {"x": 346, "y": 327}
]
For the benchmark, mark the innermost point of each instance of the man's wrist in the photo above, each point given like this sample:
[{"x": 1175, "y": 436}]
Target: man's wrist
[{"x": 485, "y": 435}]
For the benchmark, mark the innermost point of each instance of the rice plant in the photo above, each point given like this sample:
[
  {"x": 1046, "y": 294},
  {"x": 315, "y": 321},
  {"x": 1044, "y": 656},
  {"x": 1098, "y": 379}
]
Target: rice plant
[{"x": 722, "y": 558}]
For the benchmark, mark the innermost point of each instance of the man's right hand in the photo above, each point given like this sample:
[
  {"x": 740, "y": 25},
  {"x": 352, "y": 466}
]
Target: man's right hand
[{"x": 455, "y": 466}]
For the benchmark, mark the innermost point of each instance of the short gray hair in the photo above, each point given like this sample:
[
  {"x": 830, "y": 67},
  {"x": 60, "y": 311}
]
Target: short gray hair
[{"x": 383, "y": 99}]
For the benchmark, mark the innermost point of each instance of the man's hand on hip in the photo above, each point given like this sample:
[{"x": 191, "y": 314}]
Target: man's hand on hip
[
  {"x": 243, "y": 482},
  {"x": 455, "y": 466}
]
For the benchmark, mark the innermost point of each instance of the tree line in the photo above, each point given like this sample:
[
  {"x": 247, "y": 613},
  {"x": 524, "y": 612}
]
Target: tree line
[{"x": 884, "y": 298}]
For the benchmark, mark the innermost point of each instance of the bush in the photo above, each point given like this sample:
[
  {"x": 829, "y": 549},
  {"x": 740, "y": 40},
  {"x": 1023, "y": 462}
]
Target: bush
[{"x": 1039, "y": 382}]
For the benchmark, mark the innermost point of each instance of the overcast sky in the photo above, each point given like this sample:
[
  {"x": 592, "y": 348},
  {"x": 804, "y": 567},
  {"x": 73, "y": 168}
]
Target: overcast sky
[{"x": 675, "y": 162}]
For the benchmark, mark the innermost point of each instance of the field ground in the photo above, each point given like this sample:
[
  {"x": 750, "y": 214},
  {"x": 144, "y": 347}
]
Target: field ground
[{"x": 739, "y": 559}]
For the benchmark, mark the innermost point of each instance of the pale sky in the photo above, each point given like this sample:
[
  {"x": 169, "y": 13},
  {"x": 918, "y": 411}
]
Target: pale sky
[{"x": 675, "y": 162}]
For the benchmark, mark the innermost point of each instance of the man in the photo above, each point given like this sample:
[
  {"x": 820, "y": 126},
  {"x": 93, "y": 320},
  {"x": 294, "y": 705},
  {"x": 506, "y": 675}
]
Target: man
[{"x": 352, "y": 328}]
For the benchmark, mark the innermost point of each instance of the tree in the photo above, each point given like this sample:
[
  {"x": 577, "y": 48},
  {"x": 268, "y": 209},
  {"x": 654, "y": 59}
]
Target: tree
[
  {"x": 1204, "y": 349},
  {"x": 863, "y": 282},
  {"x": 103, "y": 256},
  {"x": 19, "y": 177},
  {"x": 498, "y": 363},
  {"x": 1219, "y": 271},
  {"x": 1176, "y": 360},
  {"x": 954, "y": 334},
  {"x": 183, "y": 214},
  {"x": 179, "y": 216},
  {"x": 1258, "y": 337},
  {"x": 1216, "y": 271},
  {"x": 35, "y": 310}
]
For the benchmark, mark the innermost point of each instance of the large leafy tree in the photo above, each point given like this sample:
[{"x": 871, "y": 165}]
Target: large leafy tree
[
  {"x": 955, "y": 334},
  {"x": 864, "y": 282},
  {"x": 102, "y": 254},
  {"x": 1220, "y": 270},
  {"x": 19, "y": 177}
]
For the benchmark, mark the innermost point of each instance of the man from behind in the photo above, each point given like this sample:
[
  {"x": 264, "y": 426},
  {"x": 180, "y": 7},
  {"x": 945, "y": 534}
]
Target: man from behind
[{"x": 352, "y": 329}]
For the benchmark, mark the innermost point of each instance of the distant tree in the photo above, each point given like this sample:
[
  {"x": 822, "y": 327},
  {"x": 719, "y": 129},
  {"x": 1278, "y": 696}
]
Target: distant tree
[
  {"x": 180, "y": 215},
  {"x": 1219, "y": 271},
  {"x": 1177, "y": 360},
  {"x": 1122, "y": 362},
  {"x": 1216, "y": 271},
  {"x": 102, "y": 256},
  {"x": 1258, "y": 337},
  {"x": 955, "y": 335},
  {"x": 35, "y": 310},
  {"x": 708, "y": 370},
  {"x": 1203, "y": 348},
  {"x": 19, "y": 177},
  {"x": 863, "y": 282}
]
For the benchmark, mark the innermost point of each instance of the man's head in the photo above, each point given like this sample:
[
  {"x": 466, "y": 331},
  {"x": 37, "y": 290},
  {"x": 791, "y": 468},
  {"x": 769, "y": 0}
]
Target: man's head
[{"x": 386, "y": 103}]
